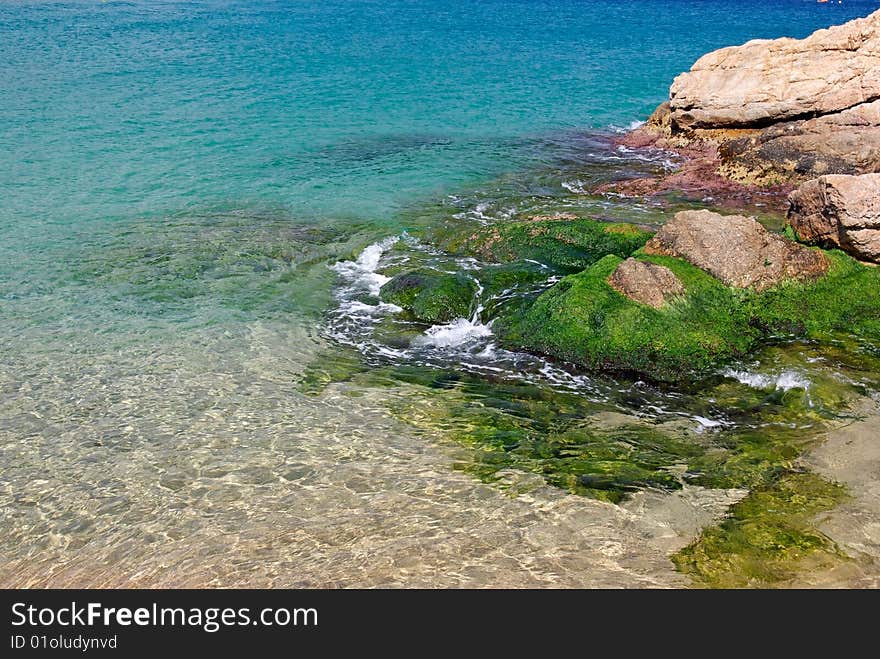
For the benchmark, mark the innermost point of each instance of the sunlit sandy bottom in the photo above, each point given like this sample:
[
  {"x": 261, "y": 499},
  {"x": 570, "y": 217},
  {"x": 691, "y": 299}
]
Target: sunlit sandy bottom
[{"x": 218, "y": 472}]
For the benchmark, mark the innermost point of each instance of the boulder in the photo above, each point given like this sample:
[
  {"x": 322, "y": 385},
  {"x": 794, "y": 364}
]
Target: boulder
[
  {"x": 774, "y": 113},
  {"x": 645, "y": 282},
  {"x": 431, "y": 296},
  {"x": 839, "y": 211},
  {"x": 735, "y": 249},
  {"x": 583, "y": 320},
  {"x": 770, "y": 81}
]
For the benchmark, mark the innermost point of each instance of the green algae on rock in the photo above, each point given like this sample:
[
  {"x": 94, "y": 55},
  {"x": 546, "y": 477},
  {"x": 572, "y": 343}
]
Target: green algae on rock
[
  {"x": 497, "y": 278},
  {"x": 518, "y": 429},
  {"x": 431, "y": 296},
  {"x": 529, "y": 429},
  {"x": 846, "y": 300},
  {"x": 523, "y": 435},
  {"x": 582, "y": 319},
  {"x": 588, "y": 448},
  {"x": 564, "y": 243}
]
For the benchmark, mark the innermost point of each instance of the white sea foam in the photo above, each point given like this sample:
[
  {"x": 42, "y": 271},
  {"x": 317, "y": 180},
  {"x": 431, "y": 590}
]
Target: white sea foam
[
  {"x": 362, "y": 273},
  {"x": 356, "y": 308},
  {"x": 459, "y": 332},
  {"x": 784, "y": 381},
  {"x": 575, "y": 187},
  {"x": 485, "y": 214},
  {"x": 656, "y": 156},
  {"x": 632, "y": 125},
  {"x": 706, "y": 424}
]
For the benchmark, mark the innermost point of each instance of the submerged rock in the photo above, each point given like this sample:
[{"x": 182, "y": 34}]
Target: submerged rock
[
  {"x": 431, "y": 296},
  {"x": 563, "y": 243},
  {"x": 736, "y": 249},
  {"x": 645, "y": 282},
  {"x": 839, "y": 211}
]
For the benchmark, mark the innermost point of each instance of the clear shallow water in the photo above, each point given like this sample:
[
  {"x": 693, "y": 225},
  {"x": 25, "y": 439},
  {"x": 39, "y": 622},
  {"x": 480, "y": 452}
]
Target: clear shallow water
[{"x": 177, "y": 179}]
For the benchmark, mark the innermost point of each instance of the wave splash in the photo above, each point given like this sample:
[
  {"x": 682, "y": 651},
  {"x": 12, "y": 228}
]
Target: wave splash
[{"x": 783, "y": 381}]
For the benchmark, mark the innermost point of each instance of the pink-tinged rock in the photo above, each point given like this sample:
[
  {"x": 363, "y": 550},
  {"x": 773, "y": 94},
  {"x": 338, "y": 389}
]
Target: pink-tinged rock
[
  {"x": 839, "y": 211},
  {"x": 648, "y": 283},
  {"x": 736, "y": 250}
]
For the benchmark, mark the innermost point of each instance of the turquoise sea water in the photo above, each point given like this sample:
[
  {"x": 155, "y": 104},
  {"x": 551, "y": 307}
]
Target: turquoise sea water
[
  {"x": 176, "y": 178},
  {"x": 117, "y": 109}
]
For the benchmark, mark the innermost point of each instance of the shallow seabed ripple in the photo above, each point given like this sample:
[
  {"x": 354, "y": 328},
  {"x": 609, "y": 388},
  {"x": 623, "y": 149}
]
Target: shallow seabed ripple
[{"x": 195, "y": 390}]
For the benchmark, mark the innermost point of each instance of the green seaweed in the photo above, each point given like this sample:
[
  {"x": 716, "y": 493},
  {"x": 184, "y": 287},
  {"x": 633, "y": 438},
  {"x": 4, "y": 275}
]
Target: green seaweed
[
  {"x": 516, "y": 276},
  {"x": 531, "y": 432},
  {"x": 586, "y": 448},
  {"x": 583, "y": 320},
  {"x": 431, "y": 296},
  {"x": 505, "y": 431},
  {"x": 767, "y": 535},
  {"x": 564, "y": 245},
  {"x": 513, "y": 432},
  {"x": 330, "y": 367},
  {"x": 847, "y": 299}
]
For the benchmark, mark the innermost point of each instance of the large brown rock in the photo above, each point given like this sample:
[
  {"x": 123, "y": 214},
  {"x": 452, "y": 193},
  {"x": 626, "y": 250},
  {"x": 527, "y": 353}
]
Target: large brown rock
[
  {"x": 769, "y": 81},
  {"x": 736, "y": 250},
  {"x": 645, "y": 282},
  {"x": 839, "y": 211}
]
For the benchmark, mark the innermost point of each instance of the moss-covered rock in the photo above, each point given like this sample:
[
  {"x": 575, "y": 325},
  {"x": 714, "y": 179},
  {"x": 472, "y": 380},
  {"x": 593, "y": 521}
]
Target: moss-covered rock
[
  {"x": 846, "y": 300},
  {"x": 431, "y": 296},
  {"x": 511, "y": 277},
  {"x": 584, "y": 320},
  {"x": 566, "y": 245}
]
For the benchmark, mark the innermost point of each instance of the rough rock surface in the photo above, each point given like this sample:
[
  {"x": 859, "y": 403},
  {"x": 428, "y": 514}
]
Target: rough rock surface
[
  {"x": 736, "y": 250},
  {"x": 768, "y": 81},
  {"x": 771, "y": 113},
  {"x": 648, "y": 283},
  {"x": 839, "y": 211},
  {"x": 847, "y": 142},
  {"x": 698, "y": 179}
]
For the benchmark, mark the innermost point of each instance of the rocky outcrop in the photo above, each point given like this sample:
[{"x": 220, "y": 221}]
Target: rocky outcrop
[
  {"x": 735, "y": 249},
  {"x": 846, "y": 142},
  {"x": 648, "y": 283},
  {"x": 771, "y": 81},
  {"x": 584, "y": 320},
  {"x": 776, "y": 112},
  {"x": 839, "y": 211}
]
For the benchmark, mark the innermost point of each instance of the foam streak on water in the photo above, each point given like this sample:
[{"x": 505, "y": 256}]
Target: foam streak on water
[
  {"x": 783, "y": 381},
  {"x": 361, "y": 274}
]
